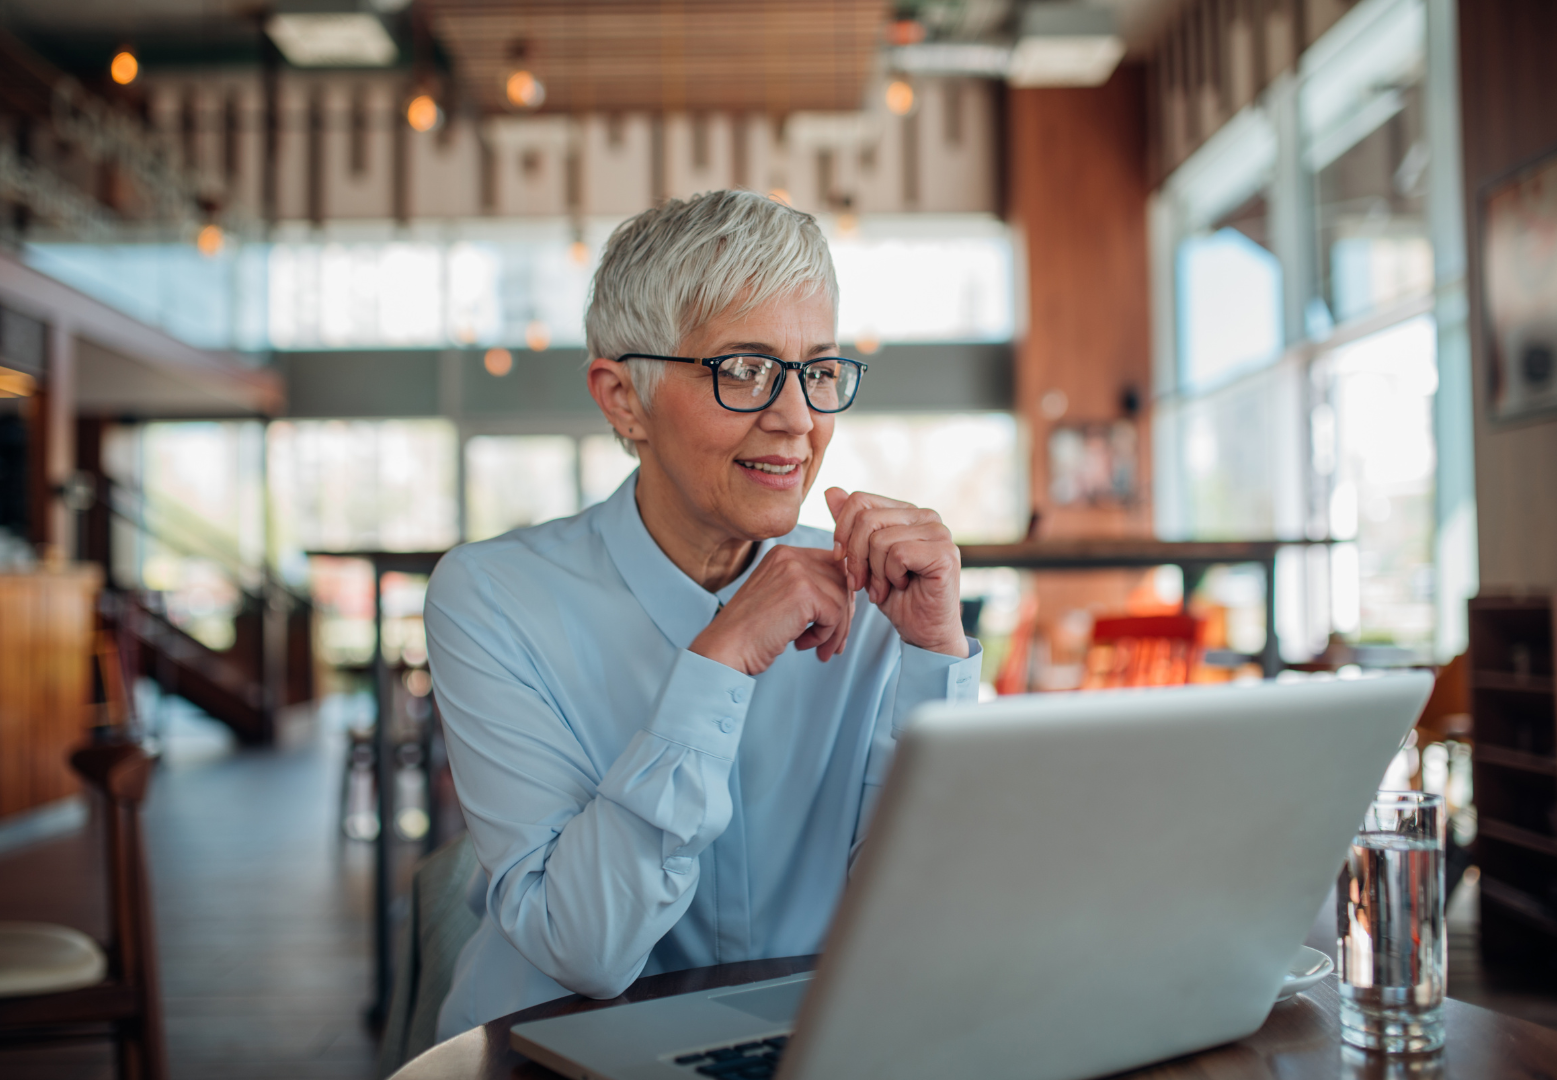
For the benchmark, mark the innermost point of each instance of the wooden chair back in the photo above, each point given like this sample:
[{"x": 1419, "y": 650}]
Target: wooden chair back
[{"x": 130, "y": 999}]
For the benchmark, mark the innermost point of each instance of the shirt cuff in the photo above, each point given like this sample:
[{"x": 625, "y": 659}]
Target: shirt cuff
[
  {"x": 932, "y": 676},
  {"x": 703, "y": 705}
]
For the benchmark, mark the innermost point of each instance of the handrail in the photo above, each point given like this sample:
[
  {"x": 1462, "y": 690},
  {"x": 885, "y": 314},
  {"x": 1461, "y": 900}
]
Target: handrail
[{"x": 131, "y": 505}]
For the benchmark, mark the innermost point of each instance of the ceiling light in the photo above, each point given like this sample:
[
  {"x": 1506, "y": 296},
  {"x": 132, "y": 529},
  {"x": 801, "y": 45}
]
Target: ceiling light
[
  {"x": 1065, "y": 44},
  {"x": 338, "y": 40},
  {"x": 124, "y": 67},
  {"x": 422, "y": 113},
  {"x": 525, "y": 91},
  {"x": 210, "y": 240},
  {"x": 498, "y": 362}
]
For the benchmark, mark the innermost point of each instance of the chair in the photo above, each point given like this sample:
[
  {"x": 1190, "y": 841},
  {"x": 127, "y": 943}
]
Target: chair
[
  {"x": 1142, "y": 650},
  {"x": 438, "y": 925},
  {"x": 57, "y": 984}
]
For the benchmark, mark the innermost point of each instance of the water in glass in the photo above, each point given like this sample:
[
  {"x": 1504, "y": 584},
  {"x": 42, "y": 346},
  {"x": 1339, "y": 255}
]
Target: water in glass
[{"x": 1390, "y": 915}]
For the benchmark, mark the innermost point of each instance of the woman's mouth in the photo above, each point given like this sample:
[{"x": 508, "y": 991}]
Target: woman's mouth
[{"x": 772, "y": 472}]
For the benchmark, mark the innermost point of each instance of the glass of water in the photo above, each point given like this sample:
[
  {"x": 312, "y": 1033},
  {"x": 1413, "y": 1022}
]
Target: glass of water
[{"x": 1389, "y": 916}]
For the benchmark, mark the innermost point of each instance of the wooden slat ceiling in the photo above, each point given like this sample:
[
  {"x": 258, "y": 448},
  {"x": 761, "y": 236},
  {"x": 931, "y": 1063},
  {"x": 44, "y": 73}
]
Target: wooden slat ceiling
[{"x": 772, "y": 56}]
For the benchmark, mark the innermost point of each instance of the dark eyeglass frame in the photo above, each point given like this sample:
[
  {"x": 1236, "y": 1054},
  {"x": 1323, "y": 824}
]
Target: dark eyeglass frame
[{"x": 785, "y": 367}]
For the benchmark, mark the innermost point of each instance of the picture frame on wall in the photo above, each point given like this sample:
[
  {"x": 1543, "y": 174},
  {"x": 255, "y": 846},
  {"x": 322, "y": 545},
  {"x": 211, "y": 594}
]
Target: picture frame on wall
[{"x": 1518, "y": 238}]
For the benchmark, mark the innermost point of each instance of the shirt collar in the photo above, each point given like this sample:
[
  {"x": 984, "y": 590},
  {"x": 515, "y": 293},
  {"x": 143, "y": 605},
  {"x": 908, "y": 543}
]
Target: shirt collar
[{"x": 679, "y": 606}]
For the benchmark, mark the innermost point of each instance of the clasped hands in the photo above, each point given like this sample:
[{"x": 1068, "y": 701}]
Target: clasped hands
[{"x": 900, "y": 554}]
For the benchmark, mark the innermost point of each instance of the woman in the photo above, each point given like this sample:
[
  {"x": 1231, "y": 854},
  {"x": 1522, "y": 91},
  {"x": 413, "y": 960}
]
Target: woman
[{"x": 668, "y": 715}]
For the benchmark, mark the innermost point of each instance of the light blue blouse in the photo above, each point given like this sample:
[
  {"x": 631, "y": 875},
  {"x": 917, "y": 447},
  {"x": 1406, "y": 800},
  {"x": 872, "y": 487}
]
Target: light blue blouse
[{"x": 637, "y": 807}]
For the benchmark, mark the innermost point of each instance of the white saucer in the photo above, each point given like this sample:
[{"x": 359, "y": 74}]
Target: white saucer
[{"x": 1308, "y": 967}]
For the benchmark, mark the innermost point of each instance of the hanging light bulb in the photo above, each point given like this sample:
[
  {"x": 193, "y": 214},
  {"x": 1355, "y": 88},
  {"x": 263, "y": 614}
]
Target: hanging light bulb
[
  {"x": 900, "y": 98},
  {"x": 525, "y": 91},
  {"x": 123, "y": 68},
  {"x": 498, "y": 362},
  {"x": 422, "y": 113},
  {"x": 210, "y": 240}
]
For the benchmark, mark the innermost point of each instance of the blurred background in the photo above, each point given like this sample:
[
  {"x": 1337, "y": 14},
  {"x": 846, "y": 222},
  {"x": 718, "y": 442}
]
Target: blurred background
[{"x": 1176, "y": 310}]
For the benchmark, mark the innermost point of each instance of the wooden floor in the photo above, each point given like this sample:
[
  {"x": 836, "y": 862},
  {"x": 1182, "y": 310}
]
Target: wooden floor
[
  {"x": 264, "y": 920},
  {"x": 263, "y": 917}
]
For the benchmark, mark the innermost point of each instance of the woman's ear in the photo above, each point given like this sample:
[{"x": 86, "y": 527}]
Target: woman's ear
[{"x": 612, "y": 388}]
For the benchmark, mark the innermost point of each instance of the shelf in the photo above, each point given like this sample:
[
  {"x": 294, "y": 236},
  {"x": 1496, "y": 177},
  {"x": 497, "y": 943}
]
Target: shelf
[
  {"x": 1514, "y": 759},
  {"x": 1513, "y": 834},
  {"x": 1494, "y": 602},
  {"x": 1519, "y": 902},
  {"x": 1507, "y": 680}
]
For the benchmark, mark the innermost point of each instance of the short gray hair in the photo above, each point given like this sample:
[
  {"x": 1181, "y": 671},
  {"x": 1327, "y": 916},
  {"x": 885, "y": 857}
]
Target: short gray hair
[{"x": 669, "y": 269}]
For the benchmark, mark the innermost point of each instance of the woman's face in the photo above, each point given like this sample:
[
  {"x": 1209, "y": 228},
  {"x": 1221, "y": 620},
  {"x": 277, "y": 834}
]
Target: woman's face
[{"x": 739, "y": 476}]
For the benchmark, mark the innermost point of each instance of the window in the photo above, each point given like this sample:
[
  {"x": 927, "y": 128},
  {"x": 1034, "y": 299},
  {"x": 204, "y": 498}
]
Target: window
[
  {"x": 1296, "y": 386},
  {"x": 358, "y": 485},
  {"x": 513, "y": 481},
  {"x": 188, "y": 518},
  {"x": 1381, "y": 487},
  {"x": 931, "y": 460},
  {"x": 1362, "y": 109}
]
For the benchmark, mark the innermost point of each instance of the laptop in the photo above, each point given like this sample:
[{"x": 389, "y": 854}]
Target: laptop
[{"x": 1054, "y": 887}]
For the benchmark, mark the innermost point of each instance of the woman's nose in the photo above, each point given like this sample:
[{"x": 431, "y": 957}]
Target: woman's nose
[{"x": 789, "y": 412}]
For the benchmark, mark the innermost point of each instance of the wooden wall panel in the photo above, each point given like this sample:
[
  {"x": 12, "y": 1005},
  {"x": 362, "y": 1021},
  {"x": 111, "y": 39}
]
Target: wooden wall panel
[
  {"x": 47, "y": 625},
  {"x": 1078, "y": 189},
  {"x": 1508, "y": 115}
]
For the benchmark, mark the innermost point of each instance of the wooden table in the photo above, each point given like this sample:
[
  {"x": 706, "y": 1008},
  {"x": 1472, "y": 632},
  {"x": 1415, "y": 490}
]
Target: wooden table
[{"x": 1301, "y": 1040}]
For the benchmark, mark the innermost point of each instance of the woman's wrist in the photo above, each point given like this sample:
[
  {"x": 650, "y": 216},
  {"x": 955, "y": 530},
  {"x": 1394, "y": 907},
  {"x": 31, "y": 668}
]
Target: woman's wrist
[
  {"x": 710, "y": 644},
  {"x": 947, "y": 645}
]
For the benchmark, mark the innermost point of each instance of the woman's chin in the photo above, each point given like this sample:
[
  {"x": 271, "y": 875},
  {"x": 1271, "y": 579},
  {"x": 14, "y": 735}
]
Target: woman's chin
[{"x": 767, "y": 522}]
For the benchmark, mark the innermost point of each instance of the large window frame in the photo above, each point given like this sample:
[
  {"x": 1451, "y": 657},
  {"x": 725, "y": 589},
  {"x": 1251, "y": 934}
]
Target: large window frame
[{"x": 1274, "y": 148}]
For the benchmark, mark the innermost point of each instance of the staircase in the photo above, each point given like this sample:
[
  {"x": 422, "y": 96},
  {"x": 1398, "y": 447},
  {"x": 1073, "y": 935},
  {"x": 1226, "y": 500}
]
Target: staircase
[
  {"x": 270, "y": 663},
  {"x": 236, "y": 686}
]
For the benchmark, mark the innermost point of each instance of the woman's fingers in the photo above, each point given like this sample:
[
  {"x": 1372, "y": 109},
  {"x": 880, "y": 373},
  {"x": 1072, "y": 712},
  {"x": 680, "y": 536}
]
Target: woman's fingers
[
  {"x": 832, "y": 608},
  {"x": 851, "y": 513},
  {"x": 868, "y": 528},
  {"x": 898, "y": 552}
]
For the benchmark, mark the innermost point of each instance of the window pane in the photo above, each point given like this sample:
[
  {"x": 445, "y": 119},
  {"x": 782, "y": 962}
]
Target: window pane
[
  {"x": 603, "y": 465},
  {"x": 1229, "y": 298},
  {"x": 1238, "y": 453},
  {"x": 967, "y": 467},
  {"x": 1367, "y": 148},
  {"x": 940, "y": 279},
  {"x": 1381, "y": 495},
  {"x": 360, "y": 485},
  {"x": 513, "y": 481},
  {"x": 189, "y": 521}
]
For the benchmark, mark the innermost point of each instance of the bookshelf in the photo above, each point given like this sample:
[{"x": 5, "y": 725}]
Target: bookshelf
[{"x": 1513, "y": 683}]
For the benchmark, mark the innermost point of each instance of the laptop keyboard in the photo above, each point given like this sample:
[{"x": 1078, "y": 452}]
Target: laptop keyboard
[{"x": 744, "y": 1061}]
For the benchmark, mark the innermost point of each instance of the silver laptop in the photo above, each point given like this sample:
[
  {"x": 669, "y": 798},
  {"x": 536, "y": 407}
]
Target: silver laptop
[{"x": 1055, "y": 887}]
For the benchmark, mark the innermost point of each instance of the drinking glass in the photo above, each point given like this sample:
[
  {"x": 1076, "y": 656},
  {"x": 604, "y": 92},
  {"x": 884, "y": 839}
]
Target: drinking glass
[{"x": 1389, "y": 916}]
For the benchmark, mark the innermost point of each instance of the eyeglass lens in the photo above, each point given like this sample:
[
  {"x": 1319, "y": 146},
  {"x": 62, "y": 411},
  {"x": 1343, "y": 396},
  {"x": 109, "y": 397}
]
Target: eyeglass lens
[{"x": 748, "y": 383}]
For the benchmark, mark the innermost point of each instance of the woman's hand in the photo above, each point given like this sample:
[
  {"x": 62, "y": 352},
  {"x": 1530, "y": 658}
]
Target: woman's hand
[
  {"x": 794, "y": 594},
  {"x": 905, "y": 560}
]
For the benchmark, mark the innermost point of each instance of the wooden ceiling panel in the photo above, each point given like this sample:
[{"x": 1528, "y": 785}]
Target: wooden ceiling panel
[{"x": 772, "y": 56}]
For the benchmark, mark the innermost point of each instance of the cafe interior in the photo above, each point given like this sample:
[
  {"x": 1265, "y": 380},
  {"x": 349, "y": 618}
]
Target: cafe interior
[{"x": 1219, "y": 333}]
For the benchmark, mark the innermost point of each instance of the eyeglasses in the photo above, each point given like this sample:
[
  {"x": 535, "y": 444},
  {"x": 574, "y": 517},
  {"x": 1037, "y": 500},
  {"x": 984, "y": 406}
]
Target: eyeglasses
[{"x": 750, "y": 382}]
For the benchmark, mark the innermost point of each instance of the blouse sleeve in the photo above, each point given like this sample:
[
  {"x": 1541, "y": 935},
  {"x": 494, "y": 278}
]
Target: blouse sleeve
[{"x": 587, "y": 871}]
